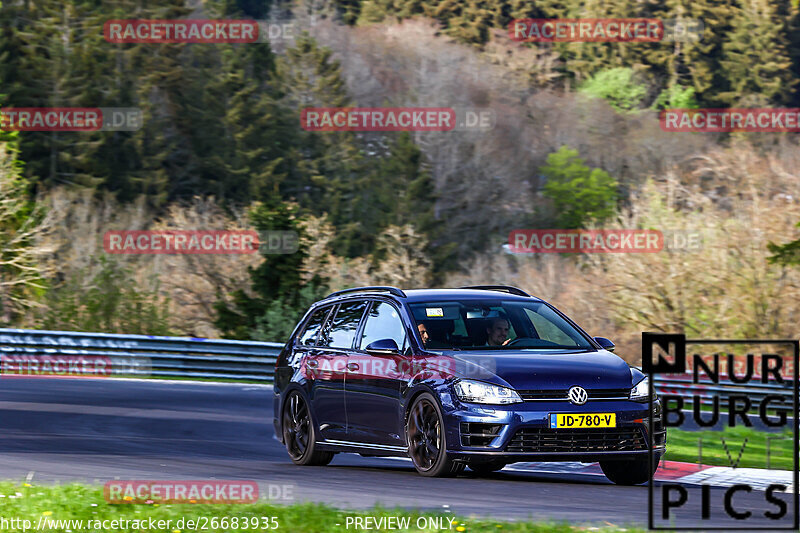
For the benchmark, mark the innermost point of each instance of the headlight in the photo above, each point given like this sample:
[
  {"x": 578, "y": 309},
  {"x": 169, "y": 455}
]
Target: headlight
[
  {"x": 479, "y": 392},
  {"x": 639, "y": 392}
]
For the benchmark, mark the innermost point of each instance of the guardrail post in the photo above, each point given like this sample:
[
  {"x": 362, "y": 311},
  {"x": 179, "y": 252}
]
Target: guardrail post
[
  {"x": 700, "y": 451},
  {"x": 769, "y": 442},
  {"x": 770, "y": 438}
]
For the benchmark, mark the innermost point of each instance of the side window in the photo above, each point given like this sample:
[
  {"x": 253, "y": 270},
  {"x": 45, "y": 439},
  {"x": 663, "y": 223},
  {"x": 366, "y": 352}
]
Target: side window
[
  {"x": 383, "y": 322},
  {"x": 309, "y": 335},
  {"x": 342, "y": 329}
]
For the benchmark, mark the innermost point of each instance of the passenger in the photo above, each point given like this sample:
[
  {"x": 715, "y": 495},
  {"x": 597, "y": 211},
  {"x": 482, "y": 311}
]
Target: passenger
[
  {"x": 497, "y": 332},
  {"x": 423, "y": 333}
]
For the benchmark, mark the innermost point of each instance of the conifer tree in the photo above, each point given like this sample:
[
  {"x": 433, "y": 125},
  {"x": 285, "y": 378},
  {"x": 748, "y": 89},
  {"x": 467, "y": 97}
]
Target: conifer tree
[
  {"x": 326, "y": 165},
  {"x": 699, "y": 60},
  {"x": 755, "y": 61}
]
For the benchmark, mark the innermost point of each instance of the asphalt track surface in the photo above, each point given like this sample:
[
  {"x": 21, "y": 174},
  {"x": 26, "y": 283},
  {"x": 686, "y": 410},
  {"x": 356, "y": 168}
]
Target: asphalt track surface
[{"x": 95, "y": 430}]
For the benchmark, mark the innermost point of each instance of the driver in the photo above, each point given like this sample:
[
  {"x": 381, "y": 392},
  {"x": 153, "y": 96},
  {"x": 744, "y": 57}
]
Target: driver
[{"x": 497, "y": 332}]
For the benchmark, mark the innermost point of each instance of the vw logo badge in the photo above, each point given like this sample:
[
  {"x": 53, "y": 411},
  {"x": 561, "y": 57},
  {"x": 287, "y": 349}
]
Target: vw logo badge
[{"x": 577, "y": 395}]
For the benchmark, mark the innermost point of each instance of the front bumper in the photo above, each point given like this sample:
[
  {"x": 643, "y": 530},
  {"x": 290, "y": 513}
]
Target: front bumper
[{"x": 521, "y": 431}]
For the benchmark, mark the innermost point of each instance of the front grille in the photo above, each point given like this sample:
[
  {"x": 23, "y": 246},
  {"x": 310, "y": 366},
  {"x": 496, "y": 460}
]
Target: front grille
[
  {"x": 531, "y": 440},
  {"x": 478, "y": 433},
  {"x": 561, "y": 394}
]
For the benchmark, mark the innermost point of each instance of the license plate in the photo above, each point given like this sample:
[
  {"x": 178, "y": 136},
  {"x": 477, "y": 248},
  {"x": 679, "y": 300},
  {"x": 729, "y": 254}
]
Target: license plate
[{"x": 584, "y": 420}]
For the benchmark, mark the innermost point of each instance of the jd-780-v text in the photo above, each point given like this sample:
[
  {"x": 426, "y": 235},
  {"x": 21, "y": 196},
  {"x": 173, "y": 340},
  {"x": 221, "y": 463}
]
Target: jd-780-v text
[{"x": 478, "y": 376}]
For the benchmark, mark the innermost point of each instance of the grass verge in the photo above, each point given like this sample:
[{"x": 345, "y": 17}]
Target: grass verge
[
  {"x": 684, "y": 446},
  {"x": 55, "y": 506}
]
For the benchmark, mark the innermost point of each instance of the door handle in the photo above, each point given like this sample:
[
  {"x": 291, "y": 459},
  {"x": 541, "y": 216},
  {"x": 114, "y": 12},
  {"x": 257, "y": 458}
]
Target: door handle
[
  {"x": 313, "y": 363},
  {"x": 352, "y": 367}
]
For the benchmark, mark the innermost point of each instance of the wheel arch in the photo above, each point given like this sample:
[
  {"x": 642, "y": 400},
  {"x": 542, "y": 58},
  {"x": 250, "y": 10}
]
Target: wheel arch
[
  {"x": 413, "y": 395},
  {"x": 285, "y": 393}
]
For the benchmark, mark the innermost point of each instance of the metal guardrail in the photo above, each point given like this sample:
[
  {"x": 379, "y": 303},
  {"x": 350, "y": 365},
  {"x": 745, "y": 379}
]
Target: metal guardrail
[
  {"x": 706, "y": 390},
  {"x": 32, "y": 352}
]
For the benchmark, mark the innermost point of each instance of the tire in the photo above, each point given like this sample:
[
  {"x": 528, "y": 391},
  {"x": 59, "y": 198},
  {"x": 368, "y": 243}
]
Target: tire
[
  {"x": 300, "y": 434},
  {"x": 634, "y": 472},
  {"x": 485, "y": 468},
  {"x": 427, "y": 443}
]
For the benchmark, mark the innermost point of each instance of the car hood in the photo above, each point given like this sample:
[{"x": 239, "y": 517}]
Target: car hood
[{"x": 545, "y": 370}]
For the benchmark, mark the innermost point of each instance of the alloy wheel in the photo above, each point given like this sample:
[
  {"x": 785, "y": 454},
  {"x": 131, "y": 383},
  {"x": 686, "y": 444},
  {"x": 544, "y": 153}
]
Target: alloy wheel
[
  {"x": 296, "y": 426},
  {"x": 425, "y": 435}
]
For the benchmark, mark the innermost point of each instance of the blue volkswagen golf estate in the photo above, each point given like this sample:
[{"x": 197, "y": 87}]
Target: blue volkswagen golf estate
[{"x": 478, "y": 376}]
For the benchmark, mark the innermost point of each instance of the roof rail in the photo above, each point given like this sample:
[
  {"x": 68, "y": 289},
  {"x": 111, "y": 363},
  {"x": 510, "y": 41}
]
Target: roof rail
[
  {"x": 502, "y": 288},
  {"x": 377, "y": 288}
]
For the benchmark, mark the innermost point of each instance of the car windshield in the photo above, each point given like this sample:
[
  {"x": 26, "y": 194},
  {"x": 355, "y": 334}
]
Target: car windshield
[{"x": 495, "y": 324}]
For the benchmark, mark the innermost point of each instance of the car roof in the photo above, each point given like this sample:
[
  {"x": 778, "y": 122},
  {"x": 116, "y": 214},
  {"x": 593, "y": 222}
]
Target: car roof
[{"x": 425, "y": 295}]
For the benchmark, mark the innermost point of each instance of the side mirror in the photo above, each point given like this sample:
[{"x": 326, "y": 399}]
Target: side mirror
[
  {"x": 383, "y": 347},
  {"x": 605, "y": 343}
]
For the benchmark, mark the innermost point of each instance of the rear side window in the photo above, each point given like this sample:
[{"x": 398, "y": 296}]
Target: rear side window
[
  {"x": 342, "y": 329},
  {"x": 311, "y": 332}
]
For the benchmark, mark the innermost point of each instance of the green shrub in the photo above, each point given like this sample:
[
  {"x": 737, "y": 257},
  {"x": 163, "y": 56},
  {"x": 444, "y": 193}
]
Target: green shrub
[
  {"x": 110, "y": 302},
  {"x": 676, "y": 97},
  {"x": 580, "y": 195},
  {"x": 618, "y": 86}
]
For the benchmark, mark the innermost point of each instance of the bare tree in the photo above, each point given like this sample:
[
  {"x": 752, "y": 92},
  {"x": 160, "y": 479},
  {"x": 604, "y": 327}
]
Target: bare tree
[{"x": 22, "y": 269}]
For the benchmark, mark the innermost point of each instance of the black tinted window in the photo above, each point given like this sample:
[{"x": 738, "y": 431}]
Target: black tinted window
[
  {"x": 311, "y": 332},
  {"x": 496, "y": 324},
  {"x": 342, "y": 329},
  {"x": 383, "y": 322}
]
